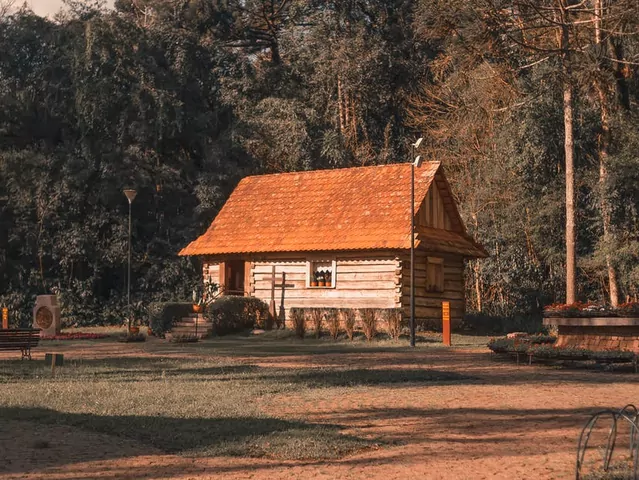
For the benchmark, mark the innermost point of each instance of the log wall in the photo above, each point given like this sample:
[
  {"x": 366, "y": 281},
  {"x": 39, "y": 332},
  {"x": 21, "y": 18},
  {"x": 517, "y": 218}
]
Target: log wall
[
  {"x": 379, "y": 280},
  {"x": 428, "y": 305},
  {"x": 359, "y": 282},
  {"x": 211, "y": 271}
]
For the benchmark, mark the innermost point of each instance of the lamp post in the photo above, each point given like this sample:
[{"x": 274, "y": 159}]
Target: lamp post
[
  {"x": 130, "y": 195},
  {"x": 415, "y": 162}
]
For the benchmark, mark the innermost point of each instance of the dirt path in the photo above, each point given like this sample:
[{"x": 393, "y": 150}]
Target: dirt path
[{"x": 496, "y": 421}]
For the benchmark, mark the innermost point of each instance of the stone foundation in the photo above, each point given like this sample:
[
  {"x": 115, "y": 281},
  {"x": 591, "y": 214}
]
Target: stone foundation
[{"x": 598, "y": 338}]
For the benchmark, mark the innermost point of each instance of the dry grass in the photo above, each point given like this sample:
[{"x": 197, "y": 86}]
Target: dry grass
[
  {"x": 332, "y": 318},
  {"x": 317, "y": 317},
  {"x": 186, "y": 406},
  {"x": 298, "y": 319},
  {"x": 196, "y": 404},
  {"x": 348, "y": 315},
  {"x": 453, "y": 410},
  {"x": 369, "y": 322},
  {"x": 393, "y": 319}
]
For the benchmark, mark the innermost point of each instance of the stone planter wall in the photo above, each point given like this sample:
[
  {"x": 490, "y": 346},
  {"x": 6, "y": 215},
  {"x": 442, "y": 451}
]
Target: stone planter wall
[
  {"x": 597, "y": 334},
  {"x": 599, "y": 338}
]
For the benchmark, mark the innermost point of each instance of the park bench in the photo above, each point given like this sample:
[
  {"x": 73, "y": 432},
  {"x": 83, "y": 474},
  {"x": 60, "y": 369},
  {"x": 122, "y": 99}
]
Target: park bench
[{"x": 23, "y": 339}]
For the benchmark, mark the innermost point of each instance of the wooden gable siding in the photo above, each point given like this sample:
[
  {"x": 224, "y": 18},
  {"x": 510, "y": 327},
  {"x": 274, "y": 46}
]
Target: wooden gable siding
[
  {"x": 438, "y": 210},
  {"x": 428, "y": 305}
]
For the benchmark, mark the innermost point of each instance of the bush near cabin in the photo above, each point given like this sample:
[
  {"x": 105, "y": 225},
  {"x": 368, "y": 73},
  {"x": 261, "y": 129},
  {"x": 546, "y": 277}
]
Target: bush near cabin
[{"x": 235, "y": 314}]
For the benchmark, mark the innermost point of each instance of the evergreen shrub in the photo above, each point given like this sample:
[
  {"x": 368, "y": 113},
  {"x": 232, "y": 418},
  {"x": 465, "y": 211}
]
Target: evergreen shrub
[{"x": 231, "y": 314}]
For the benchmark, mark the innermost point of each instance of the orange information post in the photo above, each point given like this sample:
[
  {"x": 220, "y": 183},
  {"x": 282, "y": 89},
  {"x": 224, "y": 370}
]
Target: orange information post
[
  {"x": 5, "y": 318},
  {"x": 446, "y": 323}
]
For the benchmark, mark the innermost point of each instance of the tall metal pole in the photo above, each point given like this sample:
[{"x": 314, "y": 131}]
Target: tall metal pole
[
  {"x": 128, "y": 288},
  {"x": 130, "y": 195},
  {"x": 412, "y": 249}
]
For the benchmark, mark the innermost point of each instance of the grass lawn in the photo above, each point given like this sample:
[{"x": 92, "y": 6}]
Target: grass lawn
[
  {"x": 205, "y": 403},
  {"x": 334, "y": 409}
]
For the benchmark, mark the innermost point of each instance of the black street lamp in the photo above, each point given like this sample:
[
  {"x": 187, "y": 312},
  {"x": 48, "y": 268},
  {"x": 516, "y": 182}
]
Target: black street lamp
[
  {"x": 415, "y": 162},
  {"x": 130, "y": 195}
]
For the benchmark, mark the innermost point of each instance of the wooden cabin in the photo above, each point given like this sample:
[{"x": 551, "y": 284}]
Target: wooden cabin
[{"x": 350, "y": 227}]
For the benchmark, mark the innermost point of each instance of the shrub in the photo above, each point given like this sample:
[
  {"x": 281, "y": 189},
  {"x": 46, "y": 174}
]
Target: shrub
[
  {"x": 519, "y": 344},
  {"x": 393, "y": 317},
  {"x": 369, "y": 322},
  {"x": 298, "y": 319},
  {"x": 332, "y": 318},
  {"x": 348, "y": 316},
  {"x": 579, "y": 309},
  {"x": 630, "y": 309},
  {"x": 559, "y": 353},
  {"x": 317, "y": 317},
  {"x": 232, "y": 314},
  {"x": 508, "y": 345},
  {"x": 612, "y": 356},
  {"x": 542, "y": 339},
  {"x": 163, "y": 315}
]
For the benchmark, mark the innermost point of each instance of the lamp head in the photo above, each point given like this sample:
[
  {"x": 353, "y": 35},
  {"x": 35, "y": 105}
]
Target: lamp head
[
  {"x": 418, "y": 161},
  {"x": 418, "y": 142},
  {"x": 130, "y": 194}
]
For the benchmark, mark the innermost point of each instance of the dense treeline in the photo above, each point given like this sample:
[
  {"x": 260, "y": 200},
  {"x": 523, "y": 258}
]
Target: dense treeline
[{"x": 180, "y": 99}]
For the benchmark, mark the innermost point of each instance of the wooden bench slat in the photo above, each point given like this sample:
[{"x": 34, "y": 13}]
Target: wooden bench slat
[{"x": 23, "y": 339}]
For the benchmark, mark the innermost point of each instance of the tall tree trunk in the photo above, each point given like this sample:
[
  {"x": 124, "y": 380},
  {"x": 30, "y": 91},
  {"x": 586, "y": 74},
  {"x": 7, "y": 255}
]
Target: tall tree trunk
[
  {"x": 603, "y": 144},
  {"x": 340, "y": 105},
  {"x": 604, "y": 141},
  {"x": 477, "y": 272},
  {"x": 569, "y": 149}
]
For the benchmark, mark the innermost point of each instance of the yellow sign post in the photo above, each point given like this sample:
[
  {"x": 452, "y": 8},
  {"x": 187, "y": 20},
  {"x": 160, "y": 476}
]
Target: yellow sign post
[
  {"x": 5, "y": 318},
  {"x": 446, "y": 323}
]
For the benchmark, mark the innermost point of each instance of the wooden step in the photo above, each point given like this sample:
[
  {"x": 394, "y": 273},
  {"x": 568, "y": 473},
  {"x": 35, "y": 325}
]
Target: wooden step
[
  {"x": 189, "y": 329},
  {"x": 201, "y": 333},
  {"x": 184, "y": 323}
]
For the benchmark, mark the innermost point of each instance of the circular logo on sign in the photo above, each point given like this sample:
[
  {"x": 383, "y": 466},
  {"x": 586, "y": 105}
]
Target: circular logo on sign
[{"x": 44, "y": 318}]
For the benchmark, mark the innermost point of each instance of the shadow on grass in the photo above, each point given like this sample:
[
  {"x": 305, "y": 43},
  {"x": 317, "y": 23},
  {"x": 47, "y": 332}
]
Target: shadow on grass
[
  {"x": 257, "y": 436},
  {"x": 317, "y": 378}
]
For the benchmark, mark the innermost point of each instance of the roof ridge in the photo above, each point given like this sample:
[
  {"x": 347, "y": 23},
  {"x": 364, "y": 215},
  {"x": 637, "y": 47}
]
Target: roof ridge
[{"x": 261, "y": 175}]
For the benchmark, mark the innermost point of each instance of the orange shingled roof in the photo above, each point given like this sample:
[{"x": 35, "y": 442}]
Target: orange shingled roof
[{"x": 323, "y": 210}]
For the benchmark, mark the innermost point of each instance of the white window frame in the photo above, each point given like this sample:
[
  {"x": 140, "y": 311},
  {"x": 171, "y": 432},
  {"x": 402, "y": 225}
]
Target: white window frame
[{"x": 309, "y": 265}]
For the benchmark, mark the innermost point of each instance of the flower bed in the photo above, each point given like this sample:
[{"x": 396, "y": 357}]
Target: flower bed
[
  {"x": 551, "y": 352},
  {"x": 613, "y": 356},
  {"x": 542, "y": 347},
  {"x": 519, "y": 344},
  {"x": 588, "y": 309},
  {"x": 77, "y": 336}
]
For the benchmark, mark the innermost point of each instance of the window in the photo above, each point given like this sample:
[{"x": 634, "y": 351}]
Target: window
[
  {"x": 320, "y": 273},
  {"x": 435, "y": 274}
]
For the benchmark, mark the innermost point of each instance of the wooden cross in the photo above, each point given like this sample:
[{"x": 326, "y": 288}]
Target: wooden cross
[{"x": 271, "y": 310}]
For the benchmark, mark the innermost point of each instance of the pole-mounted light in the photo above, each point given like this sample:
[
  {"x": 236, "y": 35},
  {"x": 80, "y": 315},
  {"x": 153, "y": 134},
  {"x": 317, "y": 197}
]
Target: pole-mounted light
[
  {"x": 415, "y": 162},
  {"x": 130, "y": 195}
]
